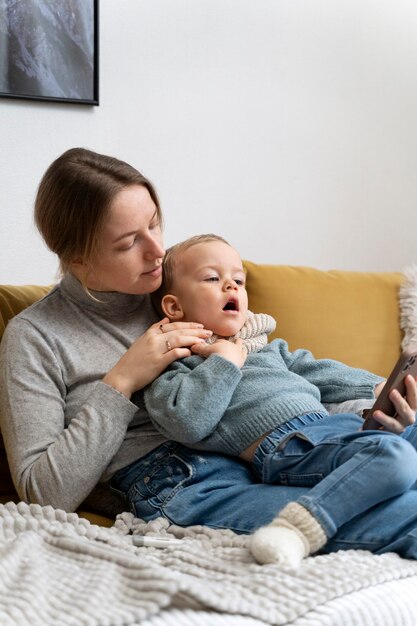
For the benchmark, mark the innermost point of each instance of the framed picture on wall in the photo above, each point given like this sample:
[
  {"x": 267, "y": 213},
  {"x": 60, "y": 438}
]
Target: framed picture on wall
[{"x": 49, "y": 50}]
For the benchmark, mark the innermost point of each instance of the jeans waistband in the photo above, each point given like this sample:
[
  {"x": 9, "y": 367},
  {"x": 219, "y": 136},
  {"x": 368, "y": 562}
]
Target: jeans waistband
[
  {"x": 280, "y": 433},
  {"x": 297, "y": 423}
]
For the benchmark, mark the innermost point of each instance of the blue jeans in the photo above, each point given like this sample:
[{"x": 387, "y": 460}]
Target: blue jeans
[
  {"x": 190, "y": 487},
  {"x": 349, "y": 470}
]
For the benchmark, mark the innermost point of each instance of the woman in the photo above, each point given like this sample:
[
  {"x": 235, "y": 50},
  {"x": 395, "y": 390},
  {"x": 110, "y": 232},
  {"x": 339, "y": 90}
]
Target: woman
[{"x": 73, "y": 367}]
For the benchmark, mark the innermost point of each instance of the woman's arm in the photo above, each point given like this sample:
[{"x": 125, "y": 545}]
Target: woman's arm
[
  {"x": 52, "y": 462},
  {"x": 153, "y": 352}
]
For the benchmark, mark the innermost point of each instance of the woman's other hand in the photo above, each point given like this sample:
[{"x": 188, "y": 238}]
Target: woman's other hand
[
  {"x": 406, "y": 408},
  {"x": 152, "y": 352}
]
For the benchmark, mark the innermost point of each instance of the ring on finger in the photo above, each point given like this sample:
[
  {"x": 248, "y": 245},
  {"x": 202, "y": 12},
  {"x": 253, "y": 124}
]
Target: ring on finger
[{"x": 168, "y": 345}]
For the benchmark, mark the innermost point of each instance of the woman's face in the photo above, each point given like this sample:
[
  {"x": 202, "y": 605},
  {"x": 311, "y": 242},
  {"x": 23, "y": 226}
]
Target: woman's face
[{"x": 130, "y": 246}]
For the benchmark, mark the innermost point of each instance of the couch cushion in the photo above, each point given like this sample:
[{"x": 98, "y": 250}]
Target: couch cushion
[
  {"x": 14, "y": 299},
  {"x": 349, "y": 316},
  {"x": 6, "y": 483}
]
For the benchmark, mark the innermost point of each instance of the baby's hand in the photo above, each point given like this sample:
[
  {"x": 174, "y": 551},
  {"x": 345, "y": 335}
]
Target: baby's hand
[{"x": 236, "y": 353}]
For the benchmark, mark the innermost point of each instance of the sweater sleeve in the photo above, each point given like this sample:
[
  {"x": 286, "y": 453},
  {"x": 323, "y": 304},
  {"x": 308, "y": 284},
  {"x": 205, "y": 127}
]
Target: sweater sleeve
[
  {"x": 336, "y": 381},
  {"x": 187, "y": 401},
  {"x": 49, "y": 462}
]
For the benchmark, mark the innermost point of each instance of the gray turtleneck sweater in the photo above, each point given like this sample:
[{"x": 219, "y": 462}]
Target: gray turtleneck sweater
[{"x": 64, "y": 429}]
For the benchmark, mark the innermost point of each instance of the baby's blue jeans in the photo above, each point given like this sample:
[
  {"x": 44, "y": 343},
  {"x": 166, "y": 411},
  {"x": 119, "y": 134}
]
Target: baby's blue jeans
[
  {"x": 190, "y": 487},
  {"x": 349, "y": 470}
]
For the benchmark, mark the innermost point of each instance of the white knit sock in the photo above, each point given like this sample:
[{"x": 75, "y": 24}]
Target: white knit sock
[{"x": 291, "y": 536}]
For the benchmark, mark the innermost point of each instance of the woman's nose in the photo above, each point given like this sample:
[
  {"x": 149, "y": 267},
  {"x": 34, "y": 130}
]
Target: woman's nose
[{"x": 154, "y": 249}]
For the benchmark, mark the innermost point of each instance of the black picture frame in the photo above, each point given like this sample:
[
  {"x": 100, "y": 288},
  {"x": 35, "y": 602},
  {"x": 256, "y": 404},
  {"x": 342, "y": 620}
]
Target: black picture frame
[{"x": 49, "y": 50}]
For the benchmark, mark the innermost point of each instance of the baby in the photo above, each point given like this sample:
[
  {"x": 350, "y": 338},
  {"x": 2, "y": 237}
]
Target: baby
[{"x": 239, "y": 395}]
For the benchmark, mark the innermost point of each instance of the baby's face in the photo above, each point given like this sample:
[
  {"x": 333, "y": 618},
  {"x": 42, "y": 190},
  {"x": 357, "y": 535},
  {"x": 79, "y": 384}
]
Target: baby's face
[{"x": 210, "y": 286}]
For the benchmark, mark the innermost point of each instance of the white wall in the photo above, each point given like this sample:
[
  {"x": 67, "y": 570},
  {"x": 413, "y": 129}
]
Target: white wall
[{"x": 287, "y": 126}]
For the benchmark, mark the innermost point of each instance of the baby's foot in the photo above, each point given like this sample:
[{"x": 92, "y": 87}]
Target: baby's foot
[
  {"x": 279, "y": 544},
  {"x": 292, "y": 535}
]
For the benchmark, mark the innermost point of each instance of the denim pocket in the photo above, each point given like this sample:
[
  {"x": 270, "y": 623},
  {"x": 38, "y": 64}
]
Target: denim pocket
[
  {"x": 163, "y": 479},
  {"x": 298, "y": 480},
  {"x": 158, "y": 478},
  {"x": 289, "y": 463}
]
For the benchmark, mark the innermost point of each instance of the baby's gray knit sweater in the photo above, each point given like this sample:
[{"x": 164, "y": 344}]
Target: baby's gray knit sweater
[
  {"x": 64, "y": 429},
  {"x": 213, "y": 405}
]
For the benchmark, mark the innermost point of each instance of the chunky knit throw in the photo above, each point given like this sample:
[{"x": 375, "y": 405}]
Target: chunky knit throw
[{"x": 57, "y": 569}]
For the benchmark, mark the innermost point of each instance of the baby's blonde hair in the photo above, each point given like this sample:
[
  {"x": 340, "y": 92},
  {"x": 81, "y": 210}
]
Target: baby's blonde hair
[{"x": 169, "y": 262}]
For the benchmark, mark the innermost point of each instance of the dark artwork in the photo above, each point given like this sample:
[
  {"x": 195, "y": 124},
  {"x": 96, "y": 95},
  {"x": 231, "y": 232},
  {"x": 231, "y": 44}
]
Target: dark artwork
[{"x": 48, "y": 49}]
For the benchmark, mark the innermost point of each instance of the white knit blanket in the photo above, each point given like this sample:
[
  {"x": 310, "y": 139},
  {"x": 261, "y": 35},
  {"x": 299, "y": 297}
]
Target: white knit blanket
[{"x": 58, "y": 569}]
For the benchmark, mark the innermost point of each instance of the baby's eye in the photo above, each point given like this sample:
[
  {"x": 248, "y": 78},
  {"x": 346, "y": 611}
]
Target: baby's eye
[
  {"x": 211, "y": 279},
  {"x": 239, "y": 281}
]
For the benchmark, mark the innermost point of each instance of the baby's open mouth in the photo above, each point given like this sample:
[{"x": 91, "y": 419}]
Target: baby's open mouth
[{"x": 231, "y": 305}]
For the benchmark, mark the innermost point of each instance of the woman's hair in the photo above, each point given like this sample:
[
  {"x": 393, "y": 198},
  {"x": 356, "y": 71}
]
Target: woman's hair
[
  {"x": 169, "y": 261},
  {"x": 74, "y": 198}
]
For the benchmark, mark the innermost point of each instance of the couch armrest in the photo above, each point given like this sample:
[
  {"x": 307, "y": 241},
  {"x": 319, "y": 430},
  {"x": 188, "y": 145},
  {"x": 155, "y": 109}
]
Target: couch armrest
[{"x": 14, "y": 299}]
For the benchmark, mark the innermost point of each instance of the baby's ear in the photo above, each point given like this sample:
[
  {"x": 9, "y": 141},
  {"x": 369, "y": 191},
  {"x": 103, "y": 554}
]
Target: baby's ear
[{"x": 172, "y": 308}]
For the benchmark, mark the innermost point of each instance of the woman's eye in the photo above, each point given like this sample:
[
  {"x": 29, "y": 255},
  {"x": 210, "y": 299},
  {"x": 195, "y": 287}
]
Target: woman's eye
[
  {"x": 155, "y": 224},
  {"x": 128, "y": 246}
]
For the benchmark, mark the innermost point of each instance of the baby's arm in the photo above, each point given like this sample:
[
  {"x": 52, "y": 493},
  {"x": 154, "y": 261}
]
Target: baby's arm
[
  {"x": 337, "y": 382},
  {"x": 187, "y": 401}
]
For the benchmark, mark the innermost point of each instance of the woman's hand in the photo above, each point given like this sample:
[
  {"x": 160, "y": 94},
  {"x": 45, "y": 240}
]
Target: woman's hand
[
  {"x": 406, "y": 407},
  {"x": 234, "y": 352},
  {"x": 152, "y": 352}
]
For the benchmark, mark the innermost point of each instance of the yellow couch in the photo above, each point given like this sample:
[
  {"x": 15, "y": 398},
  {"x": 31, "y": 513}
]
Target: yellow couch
[{"x": 350, "y": 316}]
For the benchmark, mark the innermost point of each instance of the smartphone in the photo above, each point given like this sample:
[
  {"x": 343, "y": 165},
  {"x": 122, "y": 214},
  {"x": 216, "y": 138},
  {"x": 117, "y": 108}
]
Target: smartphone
[{"x": 406, "y": 364}]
